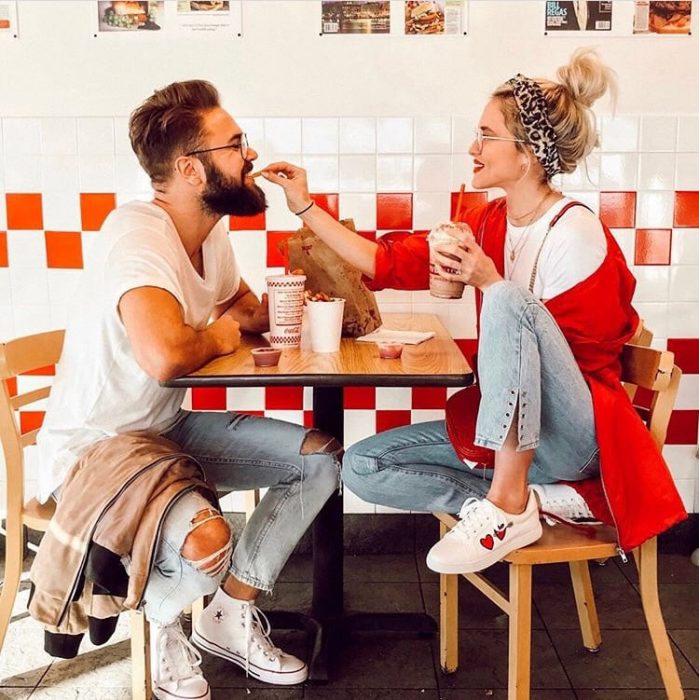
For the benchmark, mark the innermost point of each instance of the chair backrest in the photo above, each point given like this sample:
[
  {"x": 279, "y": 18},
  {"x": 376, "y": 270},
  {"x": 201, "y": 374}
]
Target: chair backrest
[
  {"x": 655, "y": 372},
  {"x": 20, "y": 356}
]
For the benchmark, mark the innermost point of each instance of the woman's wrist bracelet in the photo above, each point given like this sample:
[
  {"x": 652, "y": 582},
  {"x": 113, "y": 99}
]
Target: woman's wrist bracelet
[{"x": 304, "y": 210}]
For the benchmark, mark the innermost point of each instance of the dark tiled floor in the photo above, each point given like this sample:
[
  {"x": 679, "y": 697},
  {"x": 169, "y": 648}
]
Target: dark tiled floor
[{"x": 398, "y": 666}]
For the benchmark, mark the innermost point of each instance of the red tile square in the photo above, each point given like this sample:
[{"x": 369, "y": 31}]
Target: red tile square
[
  {"x": 328, "y": 202},
  {"x": 94, "y": 209},
  {"x": 248, "y": 223},
  {"x": 394, "y": 211},
  {"x": 653, "y": 246},
  {"x": 260, "y": 414},
  {"x": 385, "y": 420},
  {"x": 468, "y": 347},
  {"x": 209, "y": 398},
  {"x": 686, "y": 353},
  {"x": 360, "y": 397},
  {"x": 30, "y": 420},
  {"x": 429, "y": 396},
  {"x": 618, "y": 209},
  {"x": 64, "y": 249},
  {"x": 369, "y": 235},
  {"x": 48, "y": 371},
  {"x": 683, "y": 428},
  {"x": 308, "y": 419},
  {"x": 3, "y": 249},
  {"x": 275, "y": 256},
  {"x": 470, "y": 201},
  {"x": 24, "y": 212},
  {"x": 11, "y": 386},
  {"x": 284, "y": 398},
  {"x": 686, "y": 209}
]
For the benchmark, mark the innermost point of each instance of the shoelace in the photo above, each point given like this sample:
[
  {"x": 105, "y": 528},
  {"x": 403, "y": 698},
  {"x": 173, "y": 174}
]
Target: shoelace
[
  {"x": 256, "y": 622},
  {"x": 176, "y": 650},
  {"x": 474, "y": 514}
]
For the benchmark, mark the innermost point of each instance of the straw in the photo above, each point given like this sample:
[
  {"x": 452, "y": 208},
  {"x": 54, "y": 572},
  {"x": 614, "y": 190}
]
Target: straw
[{"x": 457, "y": 214}]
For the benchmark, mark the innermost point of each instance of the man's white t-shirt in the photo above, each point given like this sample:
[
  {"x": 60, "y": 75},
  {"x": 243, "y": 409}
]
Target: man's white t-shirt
[
  {"x": 575, "y": 247},
  {"x": 99, "y": 389}
]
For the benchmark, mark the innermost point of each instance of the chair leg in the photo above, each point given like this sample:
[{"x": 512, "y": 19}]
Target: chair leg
[
  {"x": 585, "y": 602},
  {"x": 14, "y": 550},
  {"x": 141, "y": 681},
  {"x": 252, "y": 499},
  {"x": 520, "y": 642},
  {"x": 647, "y": 561},
  {"x": 448, "y": 617}
]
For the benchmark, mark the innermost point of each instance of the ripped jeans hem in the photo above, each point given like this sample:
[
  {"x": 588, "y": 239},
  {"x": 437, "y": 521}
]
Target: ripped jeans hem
[{"x": 250, "y": 580}]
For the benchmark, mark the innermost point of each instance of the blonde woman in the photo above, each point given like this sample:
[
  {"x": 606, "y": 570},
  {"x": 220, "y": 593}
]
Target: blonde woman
[{"x": 553, "y": 295}]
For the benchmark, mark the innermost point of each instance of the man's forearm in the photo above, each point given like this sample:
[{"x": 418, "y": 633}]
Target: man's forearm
[{"x": 246, "y": 312}]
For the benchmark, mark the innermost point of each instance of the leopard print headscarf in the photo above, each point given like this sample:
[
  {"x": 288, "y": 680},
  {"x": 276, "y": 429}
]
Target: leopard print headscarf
[{"x": 535, "y": 120}]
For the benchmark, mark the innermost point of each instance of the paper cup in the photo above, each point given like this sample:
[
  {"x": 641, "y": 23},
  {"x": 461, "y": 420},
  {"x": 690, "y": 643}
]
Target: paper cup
[
  {"x": 285, "y": 309},
  {"x": 325, "y": 320}
]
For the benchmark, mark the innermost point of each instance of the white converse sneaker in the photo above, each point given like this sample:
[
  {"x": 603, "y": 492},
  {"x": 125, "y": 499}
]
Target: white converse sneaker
[
  {"x": 175, "y": 665},
  {"x": 484, "y": 535},
  {"x": 238, "y": 631},
  {"x": 564, "y": 503}
]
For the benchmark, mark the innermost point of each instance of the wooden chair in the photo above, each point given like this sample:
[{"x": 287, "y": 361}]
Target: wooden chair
[
  {"x": 645, "y": 368},
  {"x": 17, "y": 357}
]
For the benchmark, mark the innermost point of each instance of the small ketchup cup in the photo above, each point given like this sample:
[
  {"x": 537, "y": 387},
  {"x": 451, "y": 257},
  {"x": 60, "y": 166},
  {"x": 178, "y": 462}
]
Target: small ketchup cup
[
  {"x": 390, "y": 351},
  {"x": 266, "y": 357}
]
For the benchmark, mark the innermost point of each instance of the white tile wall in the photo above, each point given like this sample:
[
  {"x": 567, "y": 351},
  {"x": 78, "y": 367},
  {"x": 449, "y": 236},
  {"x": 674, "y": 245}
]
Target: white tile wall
[{"x": 357, "y": 157}]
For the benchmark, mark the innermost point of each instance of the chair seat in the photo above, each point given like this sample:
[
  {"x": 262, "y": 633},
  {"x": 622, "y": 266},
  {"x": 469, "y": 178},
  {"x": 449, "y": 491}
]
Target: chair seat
[
  {"x": 561, "y": 543},
  {"x": 558, "y": 543},
  {"x": 37, "y": 516}
]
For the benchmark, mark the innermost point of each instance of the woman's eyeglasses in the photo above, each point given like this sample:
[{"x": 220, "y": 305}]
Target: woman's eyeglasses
[{"x": 480, "y": 137}]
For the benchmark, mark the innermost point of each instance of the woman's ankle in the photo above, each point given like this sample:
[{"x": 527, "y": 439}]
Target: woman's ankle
[{"x": 515, "y": 504}]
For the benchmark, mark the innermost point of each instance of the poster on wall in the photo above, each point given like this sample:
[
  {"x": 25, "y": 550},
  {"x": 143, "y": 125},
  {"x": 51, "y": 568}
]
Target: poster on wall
[
  {"x": 8, "y": 20},
  {"x": 206, "y": 16},
  {"x": 355, "y": 17},
  {"x": 120, "y": 16},
  {"x": 446, "y": 17},
  {"x": 671, "y": 18},
  {"x": 578, "y": 16}
]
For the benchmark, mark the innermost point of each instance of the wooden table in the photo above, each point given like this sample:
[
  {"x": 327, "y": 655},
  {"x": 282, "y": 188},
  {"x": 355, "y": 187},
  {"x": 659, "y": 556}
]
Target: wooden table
[{"x": 435, "y": 362}]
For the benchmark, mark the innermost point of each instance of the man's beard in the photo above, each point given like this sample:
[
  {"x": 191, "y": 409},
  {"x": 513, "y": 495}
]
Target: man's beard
[{"x": 223, "y": 196}]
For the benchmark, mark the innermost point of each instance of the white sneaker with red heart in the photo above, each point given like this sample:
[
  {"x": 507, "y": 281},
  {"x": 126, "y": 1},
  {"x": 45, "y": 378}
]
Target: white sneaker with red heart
[{"x": 484, "y": 535}]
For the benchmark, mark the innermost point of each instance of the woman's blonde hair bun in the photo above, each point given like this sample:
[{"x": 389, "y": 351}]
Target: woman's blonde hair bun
[{"x": 586, "y": 77}]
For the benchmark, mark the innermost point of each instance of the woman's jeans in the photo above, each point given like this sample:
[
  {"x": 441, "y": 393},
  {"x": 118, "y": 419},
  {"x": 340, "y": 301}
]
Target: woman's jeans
[
  {"x": 527, "y": 372},
  {"x": 240, "y": 452}
]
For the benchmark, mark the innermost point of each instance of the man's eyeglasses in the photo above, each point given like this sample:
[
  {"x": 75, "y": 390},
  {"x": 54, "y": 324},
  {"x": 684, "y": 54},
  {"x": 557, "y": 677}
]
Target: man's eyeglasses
[
  {"x": 480, "y": 137},
  {"x": 241, "y": 146}
]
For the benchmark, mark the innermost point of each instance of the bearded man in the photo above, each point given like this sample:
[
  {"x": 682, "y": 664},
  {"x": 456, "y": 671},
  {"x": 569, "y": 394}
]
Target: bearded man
[{"x": 162, "y": 296}]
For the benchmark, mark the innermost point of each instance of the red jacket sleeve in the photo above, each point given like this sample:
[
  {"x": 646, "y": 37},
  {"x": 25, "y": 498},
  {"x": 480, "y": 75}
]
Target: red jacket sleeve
[
  {"x": 402, "y": 262},
  {"x": 403, "y": 258}
]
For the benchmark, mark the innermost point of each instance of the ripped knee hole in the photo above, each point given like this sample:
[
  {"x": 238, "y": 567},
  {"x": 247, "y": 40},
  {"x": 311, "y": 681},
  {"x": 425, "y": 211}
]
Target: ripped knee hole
[
  {"x": 317, "y": 442},
  {"x": 208, "y": 545}
]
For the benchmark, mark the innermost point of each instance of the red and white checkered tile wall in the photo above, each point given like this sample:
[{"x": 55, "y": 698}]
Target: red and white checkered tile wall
[{"x": 59, "y": 177}]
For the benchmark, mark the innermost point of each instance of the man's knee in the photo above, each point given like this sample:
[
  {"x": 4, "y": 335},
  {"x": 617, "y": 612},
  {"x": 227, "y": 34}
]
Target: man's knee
[
  {"x": 318, "y": 442},
  {"x": 208, "y": 545}
]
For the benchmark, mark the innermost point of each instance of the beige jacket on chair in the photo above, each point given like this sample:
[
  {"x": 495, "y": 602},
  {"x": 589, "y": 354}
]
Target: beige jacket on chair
[{"x": 112, "y": 505}]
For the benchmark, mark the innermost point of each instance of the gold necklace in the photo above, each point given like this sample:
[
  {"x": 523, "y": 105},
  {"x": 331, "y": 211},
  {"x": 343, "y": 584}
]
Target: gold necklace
[{"x": 516, "y": 248}]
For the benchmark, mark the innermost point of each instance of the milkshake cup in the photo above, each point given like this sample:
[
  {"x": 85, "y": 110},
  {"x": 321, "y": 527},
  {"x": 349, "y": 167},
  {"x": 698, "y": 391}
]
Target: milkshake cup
[{"x": 440, "y": 235}]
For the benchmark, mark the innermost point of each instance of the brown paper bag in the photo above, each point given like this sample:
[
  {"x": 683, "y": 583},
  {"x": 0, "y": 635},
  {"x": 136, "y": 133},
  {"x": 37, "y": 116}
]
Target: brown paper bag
[{"x": 327, "y": 272}]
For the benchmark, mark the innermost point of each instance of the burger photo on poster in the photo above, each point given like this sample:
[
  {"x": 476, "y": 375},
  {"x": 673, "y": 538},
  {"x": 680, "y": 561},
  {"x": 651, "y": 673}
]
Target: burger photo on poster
[
  {"x": 670, "y": 17},
  {"x": 125, "y": 14},
  {"x": 424, "y": 18}
]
